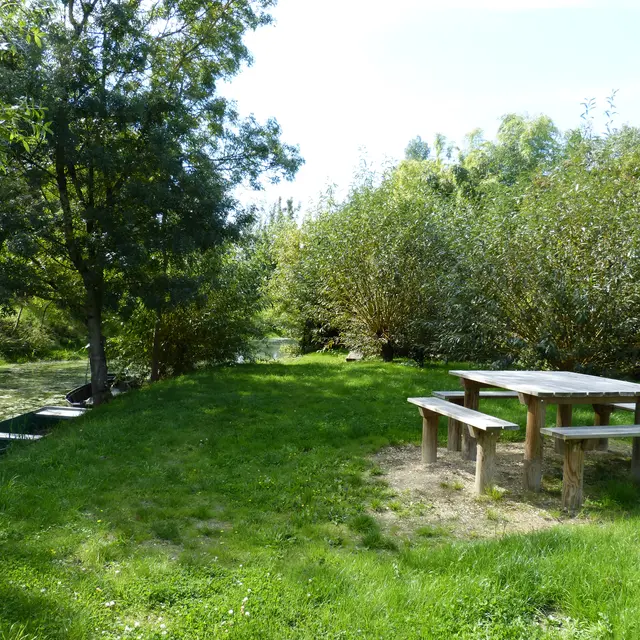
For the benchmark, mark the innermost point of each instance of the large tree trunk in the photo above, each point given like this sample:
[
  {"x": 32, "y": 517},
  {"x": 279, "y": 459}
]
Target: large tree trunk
[
  {"x": 387, "y": 352},
  {"x": 97, "y": 357}
]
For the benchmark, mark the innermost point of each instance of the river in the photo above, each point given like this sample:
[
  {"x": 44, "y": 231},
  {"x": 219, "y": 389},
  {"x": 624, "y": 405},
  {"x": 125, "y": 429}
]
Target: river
[{"x": 24, "y": 387}]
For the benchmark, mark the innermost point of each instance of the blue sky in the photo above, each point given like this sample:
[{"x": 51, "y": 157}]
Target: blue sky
[{"x": 359, "y": 78}]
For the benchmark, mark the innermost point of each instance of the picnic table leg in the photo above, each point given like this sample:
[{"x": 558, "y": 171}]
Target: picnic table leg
[
  {"x": 635, "y": 449},
  {"x": 485, "y": 460},
  {"x": 454, "y": 431},
  {"x": 471, "y": 401},
  {"x": 572, "y": 475},
  {"x": 602, "y": 416},
  {"x": 536, "y": 411},
  {"x": 564, "y": 418},
  {"x": 429, "y": 436}
]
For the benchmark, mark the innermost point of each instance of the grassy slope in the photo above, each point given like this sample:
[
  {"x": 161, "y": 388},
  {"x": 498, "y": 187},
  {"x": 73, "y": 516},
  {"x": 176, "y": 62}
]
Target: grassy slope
[{"x": 158, "y": 515}]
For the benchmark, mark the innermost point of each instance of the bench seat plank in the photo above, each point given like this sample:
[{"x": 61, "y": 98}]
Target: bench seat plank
[
  {"x": 625, "y": 406},
  {"x": 586, "y": 433},
  {"x": 455, "y": 395},
  {"x": 469, "y": 417}
]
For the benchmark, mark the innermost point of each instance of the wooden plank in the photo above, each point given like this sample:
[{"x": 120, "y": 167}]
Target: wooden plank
[
  {"x": 19, "y": 436},
  {"x": 462, "y": 414},
  {"x": 572, "y": 476},
  {"x": 429, "y": 436},
  {"x": 586, "y": 433},
  {"x": 536, "y": 412},
  {"x": 454, "y": 395},
  {"x": 590, "y": 399},
  {"x": 61, "y": 412},
  {"x": 549, "y": 384},
  {"x": 624, "y": 406},
  {"x": 485, "y": 460}
]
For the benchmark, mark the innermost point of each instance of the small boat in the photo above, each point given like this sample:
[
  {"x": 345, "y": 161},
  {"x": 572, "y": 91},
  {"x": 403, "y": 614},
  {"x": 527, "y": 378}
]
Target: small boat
[
  {"x": 81, "y": 396},
  {"x": 33, "y": 424}
]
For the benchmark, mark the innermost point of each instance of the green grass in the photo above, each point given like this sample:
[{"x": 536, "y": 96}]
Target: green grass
[{"x": 177, "y": 510}]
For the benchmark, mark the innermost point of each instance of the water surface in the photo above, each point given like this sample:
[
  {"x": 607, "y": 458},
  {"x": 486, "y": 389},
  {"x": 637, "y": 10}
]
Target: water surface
[{"x": 24, "y": 387}]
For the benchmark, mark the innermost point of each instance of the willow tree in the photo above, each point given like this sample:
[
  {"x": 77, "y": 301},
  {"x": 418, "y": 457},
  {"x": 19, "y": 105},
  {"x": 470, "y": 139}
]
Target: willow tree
[{"x": 143, "y": 152}]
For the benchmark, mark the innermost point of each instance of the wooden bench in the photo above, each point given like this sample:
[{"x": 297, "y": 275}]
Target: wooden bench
[
  {"x": 575, "y": 440},
  {"x": 483, "y": 428},
  {"x": 457, "y": 438},
  {"x": 624, "y": 406}
]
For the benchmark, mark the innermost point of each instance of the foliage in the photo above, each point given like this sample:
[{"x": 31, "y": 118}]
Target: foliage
[
  {"x": 417, "y": 149},
  {"x": 138, "y": 171},
  {"x": 369, "y": 268},
  {"x": 556, "y": 263},
  {"x": 37, "y": 329},
  {"x": 213, "y": 325},
  {"x": 523, "y": 251}
]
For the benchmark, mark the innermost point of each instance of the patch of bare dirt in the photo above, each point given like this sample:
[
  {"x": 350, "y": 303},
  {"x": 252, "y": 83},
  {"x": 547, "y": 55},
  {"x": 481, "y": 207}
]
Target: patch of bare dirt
[{"x": 438, "y": 499}]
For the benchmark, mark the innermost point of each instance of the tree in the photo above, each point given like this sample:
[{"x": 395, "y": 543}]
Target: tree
[
  {"x": 417, "y": 149},
  {"x": 138, "y": 171},
  {"x": 377, "y": 262}
]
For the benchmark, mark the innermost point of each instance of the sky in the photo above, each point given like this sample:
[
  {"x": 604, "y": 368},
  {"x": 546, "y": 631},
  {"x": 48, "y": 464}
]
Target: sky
[{"x": 356, "y": 80}]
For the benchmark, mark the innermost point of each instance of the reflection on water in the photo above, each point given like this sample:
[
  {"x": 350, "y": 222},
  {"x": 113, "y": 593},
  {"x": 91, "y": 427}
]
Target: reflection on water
[{"x": 24, "y": 387}]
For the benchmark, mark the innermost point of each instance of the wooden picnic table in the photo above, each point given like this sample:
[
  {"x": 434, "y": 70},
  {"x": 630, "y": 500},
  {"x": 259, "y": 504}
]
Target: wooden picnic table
[{"x": 537, "y": 389}]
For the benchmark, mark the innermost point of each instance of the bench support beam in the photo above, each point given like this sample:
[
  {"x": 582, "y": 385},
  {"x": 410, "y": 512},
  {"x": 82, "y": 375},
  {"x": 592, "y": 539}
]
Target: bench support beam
[
  {"x": 429, "y": 436},
  {"x": 485, "y": 459},
  {"x": 572, "y": 475}
]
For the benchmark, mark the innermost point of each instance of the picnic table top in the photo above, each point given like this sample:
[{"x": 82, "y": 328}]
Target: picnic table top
[{"x": 550, "y": 384}]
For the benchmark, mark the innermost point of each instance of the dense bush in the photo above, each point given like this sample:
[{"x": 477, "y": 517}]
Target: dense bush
[
  {"x": 524, "y": 251},
  {"x": 214, "y": 325}
]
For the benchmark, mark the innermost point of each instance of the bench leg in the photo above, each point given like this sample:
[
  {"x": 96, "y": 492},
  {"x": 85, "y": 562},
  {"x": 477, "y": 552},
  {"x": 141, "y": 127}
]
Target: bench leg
[
  {"x": 572, "y": 475},
  {"x": 454, "y": 430},
  {"x": 454, "y": 435},
  {"x": 485, "y": 460},
  {"x": 471, "y": 401},
  {"x": 602, "y": 417},
  {"x": 564, "y": 418},
  {"x": 635, "y": 460},
  {"x": 429, "y": 436},
  {"x": 536, "y": 412}
]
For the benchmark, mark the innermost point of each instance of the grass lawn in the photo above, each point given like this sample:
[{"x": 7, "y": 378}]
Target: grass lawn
[{"x": 235, "y": 503}]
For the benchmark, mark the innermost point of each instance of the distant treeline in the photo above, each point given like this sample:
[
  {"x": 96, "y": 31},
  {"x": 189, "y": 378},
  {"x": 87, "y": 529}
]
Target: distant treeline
[{"x": 520, "y": 251}]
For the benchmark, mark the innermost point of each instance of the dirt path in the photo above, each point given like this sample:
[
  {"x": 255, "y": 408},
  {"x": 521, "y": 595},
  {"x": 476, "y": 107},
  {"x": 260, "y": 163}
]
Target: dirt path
[{"x": 438, "y": 499}]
